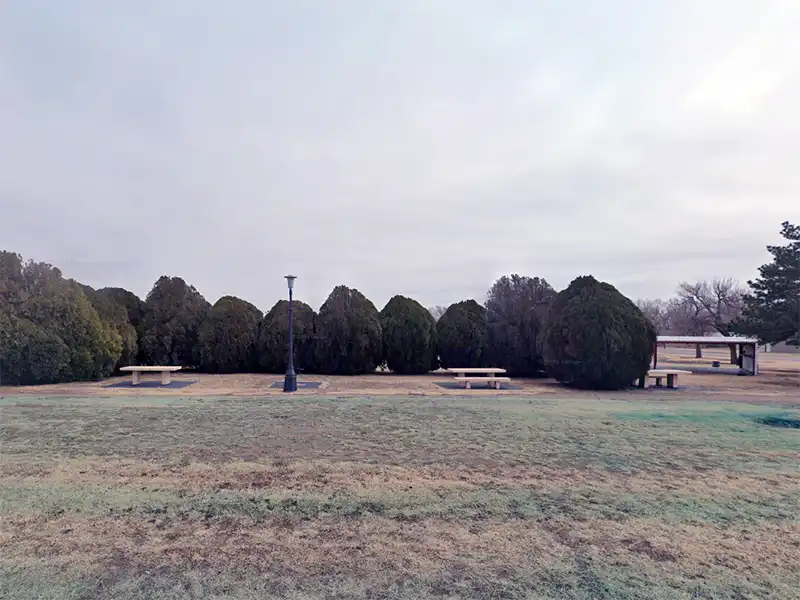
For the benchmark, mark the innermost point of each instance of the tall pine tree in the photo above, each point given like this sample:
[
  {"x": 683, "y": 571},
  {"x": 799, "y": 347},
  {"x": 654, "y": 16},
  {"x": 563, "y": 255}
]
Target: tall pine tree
[{"x": 772, "y": 308}]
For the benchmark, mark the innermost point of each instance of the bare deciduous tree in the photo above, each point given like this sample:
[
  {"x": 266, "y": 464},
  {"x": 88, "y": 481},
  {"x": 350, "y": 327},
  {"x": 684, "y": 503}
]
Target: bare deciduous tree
[
  {"x": 686, "y": 318},
  {"x": 716, "y": 305},
  {"x": 657, "y": 312},
  {"x": 437, "y": 311}
]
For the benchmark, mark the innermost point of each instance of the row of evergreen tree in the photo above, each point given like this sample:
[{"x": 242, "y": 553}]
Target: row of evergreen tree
[{"x": 54, "y": 329}]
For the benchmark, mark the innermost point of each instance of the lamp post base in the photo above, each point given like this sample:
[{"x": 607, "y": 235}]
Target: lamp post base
[{"x": 290, "y": 382}]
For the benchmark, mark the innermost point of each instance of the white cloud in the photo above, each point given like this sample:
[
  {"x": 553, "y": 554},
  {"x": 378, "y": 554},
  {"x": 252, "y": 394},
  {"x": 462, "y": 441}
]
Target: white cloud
[
  {"x": 738, "y": 84},
  {"x": 408, "y": 147}
]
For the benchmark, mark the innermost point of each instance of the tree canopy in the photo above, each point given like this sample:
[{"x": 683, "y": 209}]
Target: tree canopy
[
  {"x": 273, "y": 339},
  {"x": 409, "y": 336},
  {"x": 596, "y": 338},
  {"x": 462, "y": 334},
  {"x": 348, "y": 334},
  {"x": 133, "y": 305},
  {"x": 516, "y": 311},
  {"x": 115, "y": 313},
  {"x": 49, "y": 330},
  {"x": 772, "y": 305},
  {"x": 173, "y": 313},
  {"x": 31, "y": 354},
  {"x": 227, "y": 339}
]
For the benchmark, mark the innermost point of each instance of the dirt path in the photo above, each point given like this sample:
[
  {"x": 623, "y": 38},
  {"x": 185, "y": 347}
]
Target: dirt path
[{"x": 778, "y": 383}]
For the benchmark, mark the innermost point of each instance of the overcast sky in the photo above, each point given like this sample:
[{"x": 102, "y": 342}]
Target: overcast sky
[{"x": 419, "y": 147}]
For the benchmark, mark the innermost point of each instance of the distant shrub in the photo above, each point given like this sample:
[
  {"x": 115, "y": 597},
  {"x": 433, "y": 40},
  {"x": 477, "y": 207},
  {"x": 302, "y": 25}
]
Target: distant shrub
[
  {"x": 596, "y": 338},
  {"x": 227, "y": 339},
  {"x": 348, "y": 334},
  {"x": 516, "y": 310},
  {"x": 462, "y": 335},
  {"x": 273, "y": 339},
  {"x": 409, "y": 336}
]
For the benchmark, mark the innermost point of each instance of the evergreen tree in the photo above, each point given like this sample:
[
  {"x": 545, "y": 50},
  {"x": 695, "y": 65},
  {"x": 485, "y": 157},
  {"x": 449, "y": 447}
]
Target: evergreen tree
[
  {"x": 49, "y": 330},
  {"x": 273, "y": 338},
  {"x": 115, "y": 314},
  {"x": 30, "y": 354},
  {"x": 173, "y": 313},
  {"x": 462, "y": 335},
  {"x": 348, "y": 334},
  {"x": 409, "y": 336},
  {"x": 131, "y": 302},
  {"x": 227, "y": 338},
  {"x": 772, "y": 308},
  {"x": 517, "y": 308},
  {"x": 596, "y": 338}
]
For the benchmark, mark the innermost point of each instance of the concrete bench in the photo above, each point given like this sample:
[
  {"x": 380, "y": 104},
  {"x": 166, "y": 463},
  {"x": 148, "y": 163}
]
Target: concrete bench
[
  {"x": 136, "y": 372},
  {"x": 493, "y": 381},
  {"x": 671, "y": 375}
]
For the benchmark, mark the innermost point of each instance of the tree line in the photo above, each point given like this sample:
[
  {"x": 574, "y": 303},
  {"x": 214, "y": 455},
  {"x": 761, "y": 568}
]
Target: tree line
[
  {"x": 54, "y": 329},
  {"x": 57, "y": 330}
]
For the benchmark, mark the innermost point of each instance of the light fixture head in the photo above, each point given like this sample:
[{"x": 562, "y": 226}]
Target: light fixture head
[{"x": 290, "y": 280}]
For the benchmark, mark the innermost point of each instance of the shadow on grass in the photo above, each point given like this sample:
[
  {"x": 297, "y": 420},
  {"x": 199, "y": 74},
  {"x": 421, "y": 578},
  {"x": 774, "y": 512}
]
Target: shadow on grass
[{"x": 779, "y": 421}]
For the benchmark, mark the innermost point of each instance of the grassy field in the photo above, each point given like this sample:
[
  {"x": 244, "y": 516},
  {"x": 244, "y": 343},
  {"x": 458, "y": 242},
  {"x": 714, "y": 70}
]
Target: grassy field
[{"x": 310, "y": 498}]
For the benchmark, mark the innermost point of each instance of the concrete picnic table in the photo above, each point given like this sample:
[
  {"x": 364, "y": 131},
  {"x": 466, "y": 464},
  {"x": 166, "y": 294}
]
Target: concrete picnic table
[
  {"x": 467, "y": 375},
  {"x": 137, "y": 370}
]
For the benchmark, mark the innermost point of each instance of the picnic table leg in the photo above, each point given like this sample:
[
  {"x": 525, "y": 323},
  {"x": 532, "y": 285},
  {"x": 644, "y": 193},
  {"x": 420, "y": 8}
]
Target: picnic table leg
[
  {"x": 135, "y": 375},
  {"x": 165, "y": 379},
  {"x": 670, "y": 381}
]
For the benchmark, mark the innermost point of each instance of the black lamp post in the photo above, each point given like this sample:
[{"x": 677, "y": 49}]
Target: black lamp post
[
  {"x": 797, "y": 256},
  {"x": 290, "y": 381}
]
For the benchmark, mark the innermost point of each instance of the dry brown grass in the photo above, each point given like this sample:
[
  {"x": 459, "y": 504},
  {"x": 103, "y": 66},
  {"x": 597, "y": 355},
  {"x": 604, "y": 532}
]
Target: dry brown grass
[
  {"x": 512, "y": 496},
  {"x": 367, "y": 549},
  {"x": 311, "y": 477}
]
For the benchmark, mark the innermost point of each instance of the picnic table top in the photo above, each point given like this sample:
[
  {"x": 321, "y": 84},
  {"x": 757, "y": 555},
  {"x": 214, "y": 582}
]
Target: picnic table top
[
  {"x": 657, "y": 372},
  {"x": 146, "y": 368},
  {"x": 489, "y": 370}
]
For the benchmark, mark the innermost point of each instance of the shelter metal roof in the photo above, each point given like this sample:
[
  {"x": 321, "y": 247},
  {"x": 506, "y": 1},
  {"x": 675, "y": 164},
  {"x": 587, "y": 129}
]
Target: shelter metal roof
[{"x": 700, "y": 339}]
